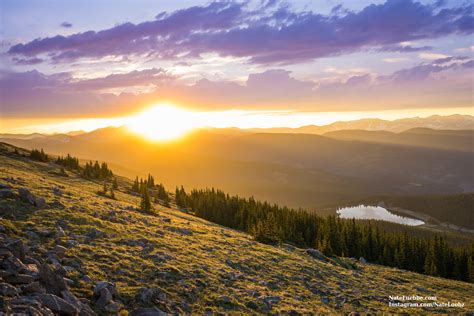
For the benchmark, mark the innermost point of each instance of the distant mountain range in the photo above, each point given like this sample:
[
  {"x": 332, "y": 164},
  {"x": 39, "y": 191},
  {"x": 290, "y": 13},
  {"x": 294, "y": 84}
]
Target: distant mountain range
[
  {"x": 299, "y": 170},
  {"x": 451, "y": 122}
]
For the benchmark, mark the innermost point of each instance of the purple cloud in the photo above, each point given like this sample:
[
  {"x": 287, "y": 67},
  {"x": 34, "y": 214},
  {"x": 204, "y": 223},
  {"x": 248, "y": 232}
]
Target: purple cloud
[
  {"x": 27, "y": 61},
  {"x": 144, "y": 77},
  {"x": 269, "y": 34},
  {"x": 40, "y": 95},
  {"x": 66, "y": 24}
]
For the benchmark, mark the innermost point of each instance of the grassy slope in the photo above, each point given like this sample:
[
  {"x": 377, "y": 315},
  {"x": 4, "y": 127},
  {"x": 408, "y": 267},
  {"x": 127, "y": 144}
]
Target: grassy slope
[{"x": 198, "y": 270}]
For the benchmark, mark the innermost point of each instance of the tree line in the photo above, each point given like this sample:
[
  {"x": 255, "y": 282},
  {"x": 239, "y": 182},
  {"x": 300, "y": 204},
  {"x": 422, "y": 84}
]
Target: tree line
[
  {"x": 148, "y": 189},
  {"x": 332, "y": 235}
]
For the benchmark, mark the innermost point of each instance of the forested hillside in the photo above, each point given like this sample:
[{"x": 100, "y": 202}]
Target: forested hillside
[{"x": 333, "y": 236}]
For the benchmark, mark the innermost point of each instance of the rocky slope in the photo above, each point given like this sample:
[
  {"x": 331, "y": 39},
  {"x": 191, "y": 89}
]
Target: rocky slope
[{"x": 67, "y": 250}]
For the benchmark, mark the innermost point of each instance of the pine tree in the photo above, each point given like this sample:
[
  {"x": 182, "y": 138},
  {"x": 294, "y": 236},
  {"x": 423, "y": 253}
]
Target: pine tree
[
  {"x": 136, "y": 185},
  {"x": 430, "y": 261},
  {"x": 145, "y": 203},
  {"x": 115, "y": 184}
]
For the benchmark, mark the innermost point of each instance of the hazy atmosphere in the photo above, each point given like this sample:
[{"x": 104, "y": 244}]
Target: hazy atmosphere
[
  {"x": 254, "y": 157},
  {"x": 293, "y": 61}
]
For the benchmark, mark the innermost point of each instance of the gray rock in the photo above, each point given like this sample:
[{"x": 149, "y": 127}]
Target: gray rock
[
  {"x": 94, "y": 233},
  {"x": 8, "y": 290},
  {"x": 315, "y": 253},
  {"x": 105, "y": 285},
  {"x": 28, "y": 197},
  {"x": 6, "y": 193},
  {"x": 4, "y": 186},
  {"x": 105, "y": 297},
  {"x": 52, "y": 281},
  {"x": 57, "y": 191},
  {"x": 180, "y": 230},
  {"x": 113, "y": 307},
  {"x": 13, "y": 263},
  {"x": 60, "y": 232},
  {"x": 40, "y": 202},
  {"x": 60, "y": 251},
  {"x": 17, "y": 248},
  {"x": 72, "y": 299},
  {"x": 18, "y": 278},
  {"x": 58, "y": 305},
  {"x": 362, "y": 260},
  {"x": 152, "y": 311},
  {"x": 148, "y": 296},
  {"x": 33, "y": 287}
]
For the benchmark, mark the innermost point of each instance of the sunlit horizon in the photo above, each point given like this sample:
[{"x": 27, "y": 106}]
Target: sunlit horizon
[{"x": 166, "y": 121}]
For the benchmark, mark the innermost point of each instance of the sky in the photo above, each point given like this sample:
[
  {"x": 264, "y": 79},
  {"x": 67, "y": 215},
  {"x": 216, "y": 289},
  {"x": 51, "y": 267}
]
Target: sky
[{"x": 261, "y": 63}]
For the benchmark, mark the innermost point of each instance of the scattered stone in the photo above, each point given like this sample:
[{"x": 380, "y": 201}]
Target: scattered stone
[
  {"x": 148, "y": 296},
  {"x": 6, "y": 193},
  {"x": 113, "y": 307},
  {"x": 18, "y": 278},
  {"x": 105, "y": 285},
  {"x": 52, "y": 281},
  {"x": 40, "y": 202},
  {"x": 17, "y": 248},
  {"x": 57, "y": 191},
  {"x": 8, "y": 290},
  {"x": 94, "y": 233},
  {"x": 362, "y": 260},
  {"x": 58, "y": 305},
  {"x": 28, "y": 197},
  {"x": 33, "y": 287},
  {"x": 60, "y": 251},
  {"x": 104, "y": 298},
  {"x": 180, "y": 230},
  {"x": 152, "y": 311},
  {"x": 4, "y": 186},
  {"x": 315, "y": 253}
]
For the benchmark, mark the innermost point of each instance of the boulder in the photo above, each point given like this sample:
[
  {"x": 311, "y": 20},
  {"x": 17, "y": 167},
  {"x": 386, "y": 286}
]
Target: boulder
[
  {"x": 40, "y": 202},
  {"x": 4, "y": 186},
  {"x": 18, "y": 278},
  {"x": 52, "y": 281},
  {"x": 26, "y": 196},
  {"x": 362, "y": 260},
  {"x": 6, "y": 193},
  {"x": 94, "y": 233},
  {"x": 105, "y": 285},
  {"x": 60, "y": 251},
  {"x": 315, "y": 253},
  {"x": 17, "y": 248},
  {"x": 73, "y": 300},
  {"x": 113, "y": 307},
  {"x": 33, "y": 287},
  {"x": 148, "y": 296},
  {"x": 58, "y": 305},
  {"x": 13, "y": 263},
  {"x": 105, "y": 297},
  {"x": 8, "y": 290},
  {"x": 60, "y": 232}
]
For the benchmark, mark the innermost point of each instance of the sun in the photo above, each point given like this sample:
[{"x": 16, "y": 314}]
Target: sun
[{"x": 163, "y": 122}]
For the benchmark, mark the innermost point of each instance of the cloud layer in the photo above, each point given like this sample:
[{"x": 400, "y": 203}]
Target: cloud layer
[
  {"x": 272, "y": 33},
  {"x": 440, "y": 83}
]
